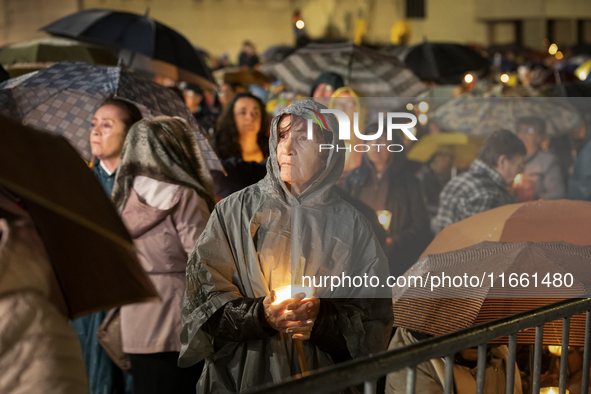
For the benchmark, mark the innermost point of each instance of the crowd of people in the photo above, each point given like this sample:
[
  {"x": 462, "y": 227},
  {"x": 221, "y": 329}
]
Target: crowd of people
[
  {"x": 230, "y": 335},
  {"x": 218, "y": 246}
]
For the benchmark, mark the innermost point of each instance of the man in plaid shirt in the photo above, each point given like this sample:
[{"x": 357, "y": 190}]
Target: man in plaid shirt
[{"x": 484, "y": 186}]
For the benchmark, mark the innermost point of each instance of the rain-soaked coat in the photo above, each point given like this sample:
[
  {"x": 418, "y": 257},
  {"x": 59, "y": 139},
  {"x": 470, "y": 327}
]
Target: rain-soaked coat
[{"x": 245, "y": 252}]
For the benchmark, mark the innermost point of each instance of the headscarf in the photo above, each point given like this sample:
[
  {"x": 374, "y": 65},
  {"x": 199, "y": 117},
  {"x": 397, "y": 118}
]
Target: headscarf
[{"x": 166, "y": 150}]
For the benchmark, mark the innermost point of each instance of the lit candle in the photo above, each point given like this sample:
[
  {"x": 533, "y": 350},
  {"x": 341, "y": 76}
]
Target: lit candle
[
  {"x": 384, "y": 217},
  {"x": 518, "y": 181},
  {"x": 556, "y": 350},
  {"x": 285, "y": 292},
  {"x": 551, "y": 390}
]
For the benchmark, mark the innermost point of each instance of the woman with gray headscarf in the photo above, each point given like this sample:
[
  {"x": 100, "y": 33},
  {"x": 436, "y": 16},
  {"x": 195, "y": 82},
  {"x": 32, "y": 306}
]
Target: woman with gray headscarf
[
  {"x": 164, "y": 193},
  {"x": 231, "y": 315}
]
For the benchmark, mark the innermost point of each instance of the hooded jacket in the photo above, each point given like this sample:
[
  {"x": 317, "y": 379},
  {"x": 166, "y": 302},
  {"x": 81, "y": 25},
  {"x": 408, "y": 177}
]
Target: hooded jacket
[{"x": 245, "y": 252}]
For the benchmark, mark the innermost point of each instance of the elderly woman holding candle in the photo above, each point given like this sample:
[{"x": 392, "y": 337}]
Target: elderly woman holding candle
[{"x": 290, "y": 224}]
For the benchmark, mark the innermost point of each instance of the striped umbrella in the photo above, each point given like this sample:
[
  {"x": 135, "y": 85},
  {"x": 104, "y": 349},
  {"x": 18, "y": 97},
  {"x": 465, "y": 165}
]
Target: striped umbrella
[
  {"x": 492, "y": 280},
  {"x": 64, "y": 97},
  {"x": 372, "y": 73}
]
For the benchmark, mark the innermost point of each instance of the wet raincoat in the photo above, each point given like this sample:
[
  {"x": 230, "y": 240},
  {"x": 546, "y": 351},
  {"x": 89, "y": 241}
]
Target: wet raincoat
[{"x": 245, "y": 252}]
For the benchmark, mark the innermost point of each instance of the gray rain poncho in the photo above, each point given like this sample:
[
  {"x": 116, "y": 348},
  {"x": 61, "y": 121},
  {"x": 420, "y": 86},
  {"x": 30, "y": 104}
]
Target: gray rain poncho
[{"x": 246, "y": 250}]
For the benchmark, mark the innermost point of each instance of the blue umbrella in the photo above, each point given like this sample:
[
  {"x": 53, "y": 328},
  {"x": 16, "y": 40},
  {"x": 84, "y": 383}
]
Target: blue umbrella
[
  {"x": 135, "y": 33},
  {"x": 64, "y": 97}
]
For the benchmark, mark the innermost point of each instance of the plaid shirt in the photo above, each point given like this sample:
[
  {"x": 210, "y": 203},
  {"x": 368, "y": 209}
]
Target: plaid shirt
[{"x": 477, "y": 190}]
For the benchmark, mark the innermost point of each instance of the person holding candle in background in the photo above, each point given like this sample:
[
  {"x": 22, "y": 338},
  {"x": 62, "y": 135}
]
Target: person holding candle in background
[
  {"x": 231, "y": 317},
  {"x": 383, "y": 182},
  {"x": 541, "y": 169}
]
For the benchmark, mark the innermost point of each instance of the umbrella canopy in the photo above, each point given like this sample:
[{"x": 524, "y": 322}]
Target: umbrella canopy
[
  {"x": 464, "y": 147},
  {"x": 369, "y": 72},
  {"x": 482, "y": 116},
  {"x": 490, "y": 294},
  {"x": 63, "y": 99},
  {"x": 444, "y": 63},
  {"x": 134, "y": 33},
  {"x": 536, "y": 221},
  {"x": 90, "y": 250},
  {"x": 582, "y": 49},
  {"x": 243, "y": 75},
  {"x": 51, "y": 50},
  {"x": 277, "y": 53}
]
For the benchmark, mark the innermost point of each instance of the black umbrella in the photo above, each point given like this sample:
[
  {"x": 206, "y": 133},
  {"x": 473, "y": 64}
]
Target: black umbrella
[
  {"x": 134, "y": 33},
  {"x": 90, "y": 250},
  {"x": 444, "y": 63},
  {"x": 583, "y": 48}
]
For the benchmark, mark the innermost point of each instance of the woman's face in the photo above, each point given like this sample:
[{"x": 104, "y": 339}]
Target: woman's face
[
  {"x": 300, "y": 160},
  {"x": 108, "y": 132},
  {"x": 247, "y": 116}
]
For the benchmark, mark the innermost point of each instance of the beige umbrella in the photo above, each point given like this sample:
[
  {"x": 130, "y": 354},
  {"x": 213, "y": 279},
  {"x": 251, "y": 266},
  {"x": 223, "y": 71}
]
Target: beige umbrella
[{"x": 91, "y": 253}]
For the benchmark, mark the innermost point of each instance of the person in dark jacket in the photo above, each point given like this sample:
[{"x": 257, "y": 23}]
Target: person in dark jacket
[
  {"x": 110, "y": 125},
  {"x": 383, "y": 183},
  {"x": 434, "y": 175},
  {"x": 248, "y": 56}
]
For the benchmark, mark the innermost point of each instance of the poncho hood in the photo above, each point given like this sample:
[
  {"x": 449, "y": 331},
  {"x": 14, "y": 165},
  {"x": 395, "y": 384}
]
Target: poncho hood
[{"x": 317, "y": 192}]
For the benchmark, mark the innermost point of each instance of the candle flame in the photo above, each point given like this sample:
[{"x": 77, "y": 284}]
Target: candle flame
[
  {"x": 285, "y": 292},
  {"x": 384, "y": 217},
  {"x": 518, "y": 181}
]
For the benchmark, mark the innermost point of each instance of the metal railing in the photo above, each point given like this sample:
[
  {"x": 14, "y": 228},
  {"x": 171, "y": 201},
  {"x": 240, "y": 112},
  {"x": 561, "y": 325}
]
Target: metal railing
[{"x": 367, "y": 370}]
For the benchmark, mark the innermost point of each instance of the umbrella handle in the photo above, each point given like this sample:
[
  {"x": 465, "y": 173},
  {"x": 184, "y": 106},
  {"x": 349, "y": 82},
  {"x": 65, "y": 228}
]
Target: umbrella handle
[{"x": 301, "y": 355}]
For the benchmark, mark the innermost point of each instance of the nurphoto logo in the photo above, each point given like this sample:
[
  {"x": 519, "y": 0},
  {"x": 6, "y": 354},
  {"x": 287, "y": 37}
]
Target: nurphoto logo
[{"x": 345, "y": 129}]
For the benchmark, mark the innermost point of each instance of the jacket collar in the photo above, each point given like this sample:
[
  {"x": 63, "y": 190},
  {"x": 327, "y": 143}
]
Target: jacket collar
[{"x": 478, "y": 167}]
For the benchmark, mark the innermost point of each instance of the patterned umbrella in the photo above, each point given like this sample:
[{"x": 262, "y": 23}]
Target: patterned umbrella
[
  {"x": 483, "y": 115},
  {"x": 369, "y": 72},
  {"x": 492, "y": 280},
  {"x": 64, "y": 97}
]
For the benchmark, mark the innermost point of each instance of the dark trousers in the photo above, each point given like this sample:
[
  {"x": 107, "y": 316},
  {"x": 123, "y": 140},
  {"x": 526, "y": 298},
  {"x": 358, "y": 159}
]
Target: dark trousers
[{"x": 158, "y": 373}]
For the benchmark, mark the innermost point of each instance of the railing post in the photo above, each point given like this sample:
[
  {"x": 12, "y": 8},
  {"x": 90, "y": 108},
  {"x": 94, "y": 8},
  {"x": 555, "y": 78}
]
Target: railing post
[
  {"x": 564, "y": 355},
  {"x": 586, "y": 355},
  {"x": 481, "y": 371},
  {"x": 449, "y": 374},
  {"x": 537, "y": 372},
  {"x": 511, "y": 364},
  {"x": 411, "y": 379}
]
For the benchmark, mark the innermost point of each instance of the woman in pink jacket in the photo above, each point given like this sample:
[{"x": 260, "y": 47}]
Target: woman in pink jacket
[{"x": 164, "y": 193}]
